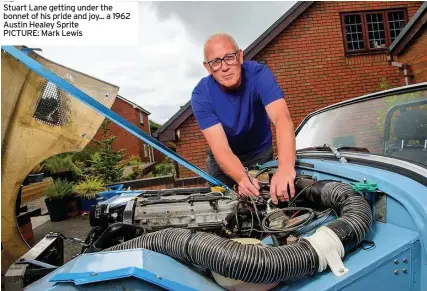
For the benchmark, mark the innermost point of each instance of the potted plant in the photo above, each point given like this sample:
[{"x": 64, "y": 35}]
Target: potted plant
[
  {"x": 57, "y": 197},
  {"x": 62, "y": 167},
  {"x": 36, "y": 175},
  {"x": 88, "y": 190}
]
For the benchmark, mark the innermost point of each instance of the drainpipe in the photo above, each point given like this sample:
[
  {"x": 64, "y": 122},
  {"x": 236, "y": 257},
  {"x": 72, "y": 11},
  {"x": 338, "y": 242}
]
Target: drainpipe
[
  {"x": 150, "y": 149},
  {"x": 407, "y": 73}
]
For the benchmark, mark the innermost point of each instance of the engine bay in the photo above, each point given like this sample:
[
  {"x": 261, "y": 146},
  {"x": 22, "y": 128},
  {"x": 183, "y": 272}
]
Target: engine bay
[
  {"x": 201, "y": 209},
  {"x": 208, "y": 229}
]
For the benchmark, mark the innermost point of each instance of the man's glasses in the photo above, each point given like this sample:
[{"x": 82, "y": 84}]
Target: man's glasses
[{"x": 229, "y": 59}]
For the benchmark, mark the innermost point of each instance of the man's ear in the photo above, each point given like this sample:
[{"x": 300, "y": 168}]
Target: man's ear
[
  {"x": 207, "y": 67},
  {"x": 240, "y": 56}
]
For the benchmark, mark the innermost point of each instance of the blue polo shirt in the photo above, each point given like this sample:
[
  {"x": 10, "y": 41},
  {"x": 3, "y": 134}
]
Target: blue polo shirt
[{"x": 242, "y": 111}]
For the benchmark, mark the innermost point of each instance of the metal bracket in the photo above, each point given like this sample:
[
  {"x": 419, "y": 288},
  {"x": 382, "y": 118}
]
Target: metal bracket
[
  {"x": 337, "y": 154},
  {"x": 380, "y": 207},
  {"x": 36, "y": 263},
  {"x": 128, "y": 213},
  {"x": 72, "y": 239},
  {"x": 44, "y": 254}
]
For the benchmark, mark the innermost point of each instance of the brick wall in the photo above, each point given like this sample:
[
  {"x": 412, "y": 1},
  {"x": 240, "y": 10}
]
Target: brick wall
[
  {"x": 416, "y": 56},
  {"x": 125, "y": 140},
  {"x": 192, "y": 146},
  {"x": 309, "y": 62}
]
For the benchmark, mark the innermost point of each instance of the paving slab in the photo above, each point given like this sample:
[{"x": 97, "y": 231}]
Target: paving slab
[{"x": 39, "y": 220}]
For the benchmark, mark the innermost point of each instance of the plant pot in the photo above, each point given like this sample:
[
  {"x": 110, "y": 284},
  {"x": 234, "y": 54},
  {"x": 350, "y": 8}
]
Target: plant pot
[
  {"x": 35, "y": 178},
  {"x": 57, "y": 209},
  {"x": 73, "y": 206},
  {"x": 86, "y": 204}
]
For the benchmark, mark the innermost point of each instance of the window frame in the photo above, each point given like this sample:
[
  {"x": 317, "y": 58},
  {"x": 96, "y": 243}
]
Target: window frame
[
  {"x": 367, "y": 44},
  {"x": 141, "y": 117}
]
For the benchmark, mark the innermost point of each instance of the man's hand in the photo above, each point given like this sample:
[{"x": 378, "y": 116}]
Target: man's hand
[
  {"x": 279, "y": 185},
  {"x": 246, "y": 188}
]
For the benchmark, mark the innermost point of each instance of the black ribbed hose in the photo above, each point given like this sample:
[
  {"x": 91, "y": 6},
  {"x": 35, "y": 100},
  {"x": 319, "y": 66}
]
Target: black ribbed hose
[
  {"x": 262, "y": 264},
  {"x": 355, "y": 216}
]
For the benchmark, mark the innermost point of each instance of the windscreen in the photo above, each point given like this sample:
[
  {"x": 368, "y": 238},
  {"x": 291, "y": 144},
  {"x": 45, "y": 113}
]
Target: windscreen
[{"x": 395, "y": 125}]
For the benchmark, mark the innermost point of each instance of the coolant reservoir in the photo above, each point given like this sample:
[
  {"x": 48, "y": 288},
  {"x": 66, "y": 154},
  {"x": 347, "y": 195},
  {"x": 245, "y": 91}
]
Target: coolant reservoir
[
  {"x": 262, "y": 178},
  {"x": 236, "y": 285}
]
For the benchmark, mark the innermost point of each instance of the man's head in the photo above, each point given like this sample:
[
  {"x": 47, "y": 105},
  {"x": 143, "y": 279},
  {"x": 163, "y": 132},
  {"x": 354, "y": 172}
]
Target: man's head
[{"x": 223, "y": 60}]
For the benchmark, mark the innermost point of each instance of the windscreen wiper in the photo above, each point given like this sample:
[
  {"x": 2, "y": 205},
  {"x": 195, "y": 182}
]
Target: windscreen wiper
[{"x": 334, "y": 150}]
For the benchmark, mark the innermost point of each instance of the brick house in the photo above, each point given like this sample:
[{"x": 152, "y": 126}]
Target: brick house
[
  {"x": 321, "y": 53},
  {"x": 409, "y": 50},
  {"x": 132, "y": 145}
]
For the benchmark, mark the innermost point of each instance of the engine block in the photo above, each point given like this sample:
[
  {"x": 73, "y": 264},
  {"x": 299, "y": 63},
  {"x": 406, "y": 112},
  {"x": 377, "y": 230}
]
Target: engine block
[{"x": 198, "y": 211}]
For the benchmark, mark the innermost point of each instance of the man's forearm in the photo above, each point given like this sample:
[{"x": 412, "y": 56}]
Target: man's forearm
[
  {"x": 230, "y": 164},
  {"x": 285, "y": 138}
]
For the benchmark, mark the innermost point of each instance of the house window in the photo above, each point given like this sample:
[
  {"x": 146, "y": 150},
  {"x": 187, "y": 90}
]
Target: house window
[
  {"x": 141, "y": 117},
  {"x": 397, "y": 21},
  {"x": 371, "y": 31}
]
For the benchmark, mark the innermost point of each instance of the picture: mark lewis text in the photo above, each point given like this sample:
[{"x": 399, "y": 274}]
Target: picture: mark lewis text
[
  {"x": 28, "y": 32},
  {"x": 50, "y": 8}
]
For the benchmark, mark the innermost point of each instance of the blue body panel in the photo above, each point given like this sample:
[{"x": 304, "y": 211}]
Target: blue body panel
[
  {"x": 113, "y": 191},
  {"x": 147, "y": 266},
  {"x": 367, "y": 266}
]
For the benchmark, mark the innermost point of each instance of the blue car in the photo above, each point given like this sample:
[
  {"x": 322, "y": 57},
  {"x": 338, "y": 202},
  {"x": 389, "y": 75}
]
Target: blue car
[{"x": 358, "y": 220}]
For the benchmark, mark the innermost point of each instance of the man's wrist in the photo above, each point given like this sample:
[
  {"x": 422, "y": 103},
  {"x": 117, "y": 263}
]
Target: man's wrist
[
  {"x": 241, "y": 176},
  {"x": 286, "y": 165},
  {"x": 288, "y": 169}
]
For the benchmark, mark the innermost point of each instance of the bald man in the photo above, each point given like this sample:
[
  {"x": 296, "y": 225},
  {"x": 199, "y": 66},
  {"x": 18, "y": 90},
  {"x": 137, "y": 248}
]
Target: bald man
[{"x": 234, "y": 107}]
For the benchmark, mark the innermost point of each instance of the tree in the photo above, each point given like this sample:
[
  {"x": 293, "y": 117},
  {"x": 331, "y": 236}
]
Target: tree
[
  {"x": 106, "y": 165},
  {"x": 154, "y": 126}
]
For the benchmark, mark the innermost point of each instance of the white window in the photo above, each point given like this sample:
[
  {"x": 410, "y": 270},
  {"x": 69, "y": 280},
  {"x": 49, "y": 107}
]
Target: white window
[{"x": 141, "y": 117}]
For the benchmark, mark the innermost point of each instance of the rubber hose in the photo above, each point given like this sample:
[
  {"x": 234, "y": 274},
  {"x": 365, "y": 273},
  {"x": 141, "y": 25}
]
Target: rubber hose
[
  {"x": 355, "y": 216},
  {"x": 260, "y": 264},
  {"x": 118, "y": 229},
  {"x": 249, "y": 263}
]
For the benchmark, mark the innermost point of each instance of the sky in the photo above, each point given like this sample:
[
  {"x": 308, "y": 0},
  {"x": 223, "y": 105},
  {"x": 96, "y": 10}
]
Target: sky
[{"x": 160, "y": 73}]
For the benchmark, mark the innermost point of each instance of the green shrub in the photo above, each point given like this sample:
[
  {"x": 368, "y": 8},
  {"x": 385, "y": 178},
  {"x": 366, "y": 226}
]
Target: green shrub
[
  {"x": 163, "y": 169},
  {"x": 85, "y": 155},
  {"x": 60, "y": 189},
  {"x": 61, "y": 163},
  {"x": 134, "y": 161},
  {"x": 105, "y": 163},
  {"x": 89, "y": 188}
]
